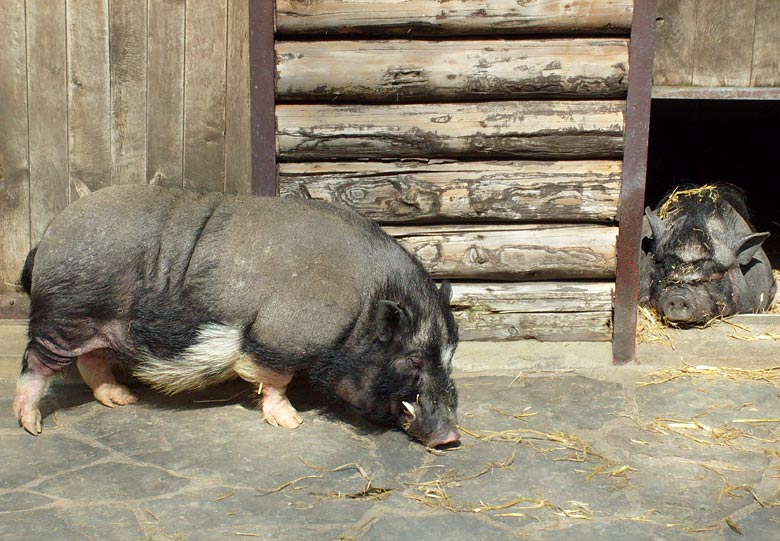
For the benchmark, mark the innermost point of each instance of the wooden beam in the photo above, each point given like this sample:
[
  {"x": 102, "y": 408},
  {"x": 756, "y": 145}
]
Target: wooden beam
[
  {"x": 410, "y": 191},
  {"x": 512, "y": 252},
  {"x": 507, "y": 129},
  {"x": 414, "y": 70},
  {"x": 465, "y": 17}
]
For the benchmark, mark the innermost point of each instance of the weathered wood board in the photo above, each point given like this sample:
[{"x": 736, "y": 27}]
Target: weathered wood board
[
  {"x": 47, "y": 105},
  {"x": 546, "y": 326},
  {"x": 532, "y": 297},
  {"x": 14, "y": 163},
  {"x": 550, "y": 311},
  {"x": 512, "y": 252},
  {"x": 674, "y": 42},
  {"x": 238, "y": 141},
  {"x": 412, "y": 191},
  {"x": 165, "y": 98},
  {"x": 204, "y": 95},
  {"x": 432, "y": 17},
  {"x": 127, "y": 61},
  {"x": 717, "y": 43},
  {"x": 506, "y": 129},
  {"x": 89, "y": 93},
  {"x": 414, "y": 70},
  {"x": 724, "y": 42},
  {"x": 766, "y": 45}
]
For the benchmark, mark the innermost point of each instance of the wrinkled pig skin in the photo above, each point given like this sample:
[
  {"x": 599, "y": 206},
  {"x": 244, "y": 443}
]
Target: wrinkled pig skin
[
  {"x": 704, "y": 258},
  {"x": 188, "y": 290}
]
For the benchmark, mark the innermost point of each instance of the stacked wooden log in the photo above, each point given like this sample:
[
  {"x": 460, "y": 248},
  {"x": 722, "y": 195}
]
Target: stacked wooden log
[{"x": 486, "y": 135}]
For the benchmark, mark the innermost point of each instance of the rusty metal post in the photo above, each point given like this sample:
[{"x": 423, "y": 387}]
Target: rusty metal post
[
  {"x": 262, "y": 83},
  {"x": 632, "y": 192}
]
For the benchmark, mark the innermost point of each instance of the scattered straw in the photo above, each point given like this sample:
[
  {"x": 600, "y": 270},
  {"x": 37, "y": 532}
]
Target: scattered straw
[
  {"x": 733, "y": 525},
  {"x": 434, "y": 493},
  {"x": 671, "y": 206},
  {"x": 601, "y": 469},
  {"x": 575, "y": 509},
  {"x": 540, "y": 441},
  {"x": 650, "y": 328},
  {"x": 767, "y": 375},
  {"x": 774, "y": 308}
]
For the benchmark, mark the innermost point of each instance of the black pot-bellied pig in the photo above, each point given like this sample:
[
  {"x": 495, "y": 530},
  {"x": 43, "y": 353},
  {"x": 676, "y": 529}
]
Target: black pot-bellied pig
[
  {"x": 702, "y": 257},
  {"x": 192, "y": 289}
]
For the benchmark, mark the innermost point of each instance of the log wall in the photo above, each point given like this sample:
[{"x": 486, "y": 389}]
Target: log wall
[{"x": 492, "y": 152}]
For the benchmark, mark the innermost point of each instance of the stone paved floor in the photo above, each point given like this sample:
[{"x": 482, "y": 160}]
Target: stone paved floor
[{"x": 555, "y": 455}]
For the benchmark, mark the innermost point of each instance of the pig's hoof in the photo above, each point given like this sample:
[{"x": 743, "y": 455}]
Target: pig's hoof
[
  {"x": 113, "y": 394},
  {"x": 30, "y": 420},
  {"x": 282, "y": 414},
  {"x": 29, "y": 417}
]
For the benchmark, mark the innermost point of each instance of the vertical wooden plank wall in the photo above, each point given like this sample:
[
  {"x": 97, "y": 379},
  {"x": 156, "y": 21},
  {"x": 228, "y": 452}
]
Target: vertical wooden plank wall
[
  {"x": 89, "y": 93},
  {"x": 115, "y": 91},
  {"x": 766, "y": 44},
  {"x": 717, "y": 43},
  {"x": 14, "y": 154},
  {"x": 204, "y": 95},
  {"x": 238, "y": 143},
  {"x": 48, "y": 112},
  {"x": 127, "y": 63},
  {"x": 165, "y": 92}
]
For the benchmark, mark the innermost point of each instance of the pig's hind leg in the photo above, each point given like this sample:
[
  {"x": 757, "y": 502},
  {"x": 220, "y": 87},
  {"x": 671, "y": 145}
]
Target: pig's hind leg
[
  {"x": 30, "y": 388},
  {"x": 37, "y": 368},
  {"x": 95, "y": 370},
  {"x": 271, "y": 386}
]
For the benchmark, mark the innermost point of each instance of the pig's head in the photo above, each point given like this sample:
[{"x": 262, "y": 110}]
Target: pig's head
[
  {"x": 699, "y": 261},
  {"x": 404, "y": 376}
]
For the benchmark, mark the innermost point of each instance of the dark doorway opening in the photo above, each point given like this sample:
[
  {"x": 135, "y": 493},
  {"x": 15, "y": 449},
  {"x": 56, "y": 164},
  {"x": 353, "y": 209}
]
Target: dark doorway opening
[{"x": 735, "y": 141}]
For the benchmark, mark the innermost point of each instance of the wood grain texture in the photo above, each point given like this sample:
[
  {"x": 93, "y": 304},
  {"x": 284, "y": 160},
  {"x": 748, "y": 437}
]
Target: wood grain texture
[
  {"x": 165, "y": 94},
  {"x": 127, "y": 48},
  {"x": 532, "y": 297},
  {"x": 675, "y": 35},
  {"x": 47, "y": 112},
  {"x": 409, "y": 191},
  {"x": 89, "y": 93},
  {"x": 238, "y": 141},
  {"x": 394, "y": 71},
  {"x": 766, "y": 45},
  {"x": 512, "y": 252},
  {"x": 204, "y": 95},
  {"x": 508, "y": 129},
  {"x": 547, "y": 311},
  {"x": 435, "y": 17},
  {"x": 14, "y": 164},
  {"x": 724, "y": 42},
  {"x": 545, "y": 327}
]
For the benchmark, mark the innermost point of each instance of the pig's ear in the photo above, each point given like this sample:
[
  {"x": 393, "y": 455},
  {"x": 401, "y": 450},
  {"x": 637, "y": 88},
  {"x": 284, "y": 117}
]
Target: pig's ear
[
  {"x": 445, "y": 293},
  {"x": 656, "y": 225},
  {"x": 748, "y": 246},
  {"x": 390, "y": 316}
]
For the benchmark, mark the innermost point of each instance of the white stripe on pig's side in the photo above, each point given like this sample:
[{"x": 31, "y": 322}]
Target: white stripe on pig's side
[{"x": 208, "y": 361}]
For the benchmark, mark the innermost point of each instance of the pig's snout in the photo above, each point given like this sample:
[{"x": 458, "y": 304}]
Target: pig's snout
[
  {"x": 677, "y": 308},
  {"x": 444, "y": 438}
]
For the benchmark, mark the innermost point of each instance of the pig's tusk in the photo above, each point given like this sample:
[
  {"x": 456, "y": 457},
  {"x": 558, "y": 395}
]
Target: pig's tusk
[{"x": 410, "y": 409}]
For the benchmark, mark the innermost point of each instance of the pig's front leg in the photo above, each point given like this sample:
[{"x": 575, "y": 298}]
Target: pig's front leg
[{"x": 271, "y": 386}]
